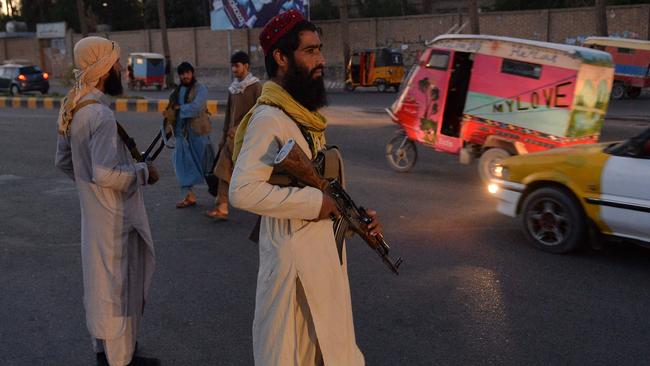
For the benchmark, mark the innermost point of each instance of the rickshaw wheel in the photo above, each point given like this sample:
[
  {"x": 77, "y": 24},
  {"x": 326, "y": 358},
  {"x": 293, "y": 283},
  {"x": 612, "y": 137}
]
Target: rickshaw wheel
[
  {"x": 401, "y": 153},
  {"x": 488, "y": 161},
  {"x": 633, "y": 92},
  {"x": 618, "y": 91}
]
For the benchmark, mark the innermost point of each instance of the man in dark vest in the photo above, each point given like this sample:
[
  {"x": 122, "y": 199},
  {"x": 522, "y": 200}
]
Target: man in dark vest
[
  {"x": 243, "y": 94},
  {"x": 187, "y": 115}
]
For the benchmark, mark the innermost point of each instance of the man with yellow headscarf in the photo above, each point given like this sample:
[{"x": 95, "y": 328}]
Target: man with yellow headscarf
[
  {"x": 303, "y": 311},
  {"x": 117, "y": 252}
]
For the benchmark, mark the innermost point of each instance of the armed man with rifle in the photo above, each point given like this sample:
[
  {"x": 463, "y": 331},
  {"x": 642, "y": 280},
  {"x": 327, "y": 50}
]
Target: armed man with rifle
[
  {"x": 303, "y": 312},
  {"x": 117, "y": 252}
]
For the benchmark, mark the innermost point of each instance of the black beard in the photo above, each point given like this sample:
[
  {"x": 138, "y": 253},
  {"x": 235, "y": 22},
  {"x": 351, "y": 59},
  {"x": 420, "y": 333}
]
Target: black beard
[
  {"x": 302, "y": 86},
  {"x": 188, "y": 83},
  {"x": 113, "y": 84}
]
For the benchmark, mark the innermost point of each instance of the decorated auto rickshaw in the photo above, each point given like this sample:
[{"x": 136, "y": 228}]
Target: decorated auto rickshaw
[
  {"x": 632, "y": 60},
  {"x": 381, "y": 68},
  {"x": 145, "y": 69},
  {"x": 488, "y": 97}
]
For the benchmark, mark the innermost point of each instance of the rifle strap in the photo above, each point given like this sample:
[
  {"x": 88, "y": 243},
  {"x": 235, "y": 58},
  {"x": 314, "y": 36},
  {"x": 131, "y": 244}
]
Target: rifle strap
[{"x": 124, "y": 136}]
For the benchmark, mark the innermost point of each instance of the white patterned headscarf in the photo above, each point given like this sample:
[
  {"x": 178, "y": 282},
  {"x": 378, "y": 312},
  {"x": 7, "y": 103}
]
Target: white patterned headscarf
[{"x": 93, "y": 57}]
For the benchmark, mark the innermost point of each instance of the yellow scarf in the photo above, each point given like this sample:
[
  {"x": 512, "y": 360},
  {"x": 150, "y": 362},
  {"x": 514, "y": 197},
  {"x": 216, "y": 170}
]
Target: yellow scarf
[{"x": 273, "y": 94}]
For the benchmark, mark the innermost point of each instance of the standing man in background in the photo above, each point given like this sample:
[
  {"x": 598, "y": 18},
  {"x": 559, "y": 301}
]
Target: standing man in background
[
  {"x": 117, "y": 253},
  {"x": 187, "y": 114},
  {"x": 243, "y": 94}
]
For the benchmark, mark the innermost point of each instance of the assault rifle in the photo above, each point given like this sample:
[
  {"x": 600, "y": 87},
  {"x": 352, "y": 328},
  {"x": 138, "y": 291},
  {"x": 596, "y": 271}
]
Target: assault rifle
[
  {"x": 293, "y": 161},
  {"x": 146, "y": 156}
]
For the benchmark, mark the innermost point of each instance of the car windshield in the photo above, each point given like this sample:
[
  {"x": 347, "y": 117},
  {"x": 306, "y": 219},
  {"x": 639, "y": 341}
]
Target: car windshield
[
  {"x": 28, "y": 70},
  {"x": 629, "y": 147}
]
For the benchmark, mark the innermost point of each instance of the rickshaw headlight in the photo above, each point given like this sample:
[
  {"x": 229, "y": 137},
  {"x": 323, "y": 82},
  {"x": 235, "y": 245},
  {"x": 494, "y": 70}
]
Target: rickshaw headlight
[{"x": 501, "y": 172}]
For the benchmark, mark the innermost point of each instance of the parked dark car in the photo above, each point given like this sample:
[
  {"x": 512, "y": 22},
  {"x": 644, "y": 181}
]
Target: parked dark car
[{"x": 17, "y": 79}]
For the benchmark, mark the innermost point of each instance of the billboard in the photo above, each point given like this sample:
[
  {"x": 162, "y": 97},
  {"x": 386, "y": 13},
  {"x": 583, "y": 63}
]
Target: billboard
[{"x": 236, "y": 14}]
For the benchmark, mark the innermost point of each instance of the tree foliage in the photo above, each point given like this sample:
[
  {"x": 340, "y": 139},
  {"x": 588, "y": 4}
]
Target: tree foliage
[{"x": 119, "y": 14}]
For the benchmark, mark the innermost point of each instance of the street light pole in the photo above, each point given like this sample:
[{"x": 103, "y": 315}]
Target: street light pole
[
  {"x": 601, "y": 18},
  {"x": 473, "y": 16},
  {"x": 169, "y": 78},
  {"x": 81, "y": 10}
]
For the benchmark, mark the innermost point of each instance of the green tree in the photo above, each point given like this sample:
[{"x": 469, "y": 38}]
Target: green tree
[
  {"x": 324, "y": 10},
  {"x": 180, "y": 13}
]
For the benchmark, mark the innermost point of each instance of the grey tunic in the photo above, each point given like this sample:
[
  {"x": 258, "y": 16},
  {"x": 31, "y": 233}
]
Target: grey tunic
[{"x": 115, "y": 233}]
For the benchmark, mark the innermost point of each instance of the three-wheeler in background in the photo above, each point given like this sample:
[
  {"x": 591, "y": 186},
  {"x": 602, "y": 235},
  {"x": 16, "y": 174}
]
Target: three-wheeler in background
[
  {"x": 381, "y": 68},
  {"x": 632, "y": 64},
  {"x": 145, "y": 69}
]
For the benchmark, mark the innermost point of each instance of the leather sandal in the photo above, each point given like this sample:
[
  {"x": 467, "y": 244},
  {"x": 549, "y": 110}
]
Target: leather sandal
[
  {"x": 217, "y": 214},
  {"x": 186, "y": 202}
]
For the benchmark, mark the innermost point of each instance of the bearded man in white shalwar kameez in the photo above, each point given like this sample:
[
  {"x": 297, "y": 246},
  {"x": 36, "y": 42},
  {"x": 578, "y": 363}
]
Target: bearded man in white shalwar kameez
[
  {"x": 303, "y": 312},
  {"x": 117, "y": 251}
]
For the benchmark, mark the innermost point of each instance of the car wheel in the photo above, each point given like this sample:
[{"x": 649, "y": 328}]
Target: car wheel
[
  {"x": 44, "y": 91},
  {"x": 488, "y": 161},
  {"x": 401, "y": 153},
  {"x": 396, "y": 88},
  {"x": 381, "y": 87},
  {"x": 618, "y": 91},
  {"x": 553, "y": 221},
  {"x": 13, "y": 91}
]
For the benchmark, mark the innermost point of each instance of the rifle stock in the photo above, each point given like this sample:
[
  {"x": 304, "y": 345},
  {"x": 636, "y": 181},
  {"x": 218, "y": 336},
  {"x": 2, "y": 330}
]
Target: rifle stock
[{"x": 293, "y": 161}]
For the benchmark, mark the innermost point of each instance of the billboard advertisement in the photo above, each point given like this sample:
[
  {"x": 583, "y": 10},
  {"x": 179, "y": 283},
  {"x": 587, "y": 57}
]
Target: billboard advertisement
[{"x": 237, "y": 14}]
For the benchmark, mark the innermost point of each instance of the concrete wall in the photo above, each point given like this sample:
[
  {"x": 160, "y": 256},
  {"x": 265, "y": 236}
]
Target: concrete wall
[{"x": 209, "y": 50}]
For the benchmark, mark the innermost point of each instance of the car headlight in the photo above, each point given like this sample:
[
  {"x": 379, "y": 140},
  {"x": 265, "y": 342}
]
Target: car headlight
[{"x": 501, "y": 171}]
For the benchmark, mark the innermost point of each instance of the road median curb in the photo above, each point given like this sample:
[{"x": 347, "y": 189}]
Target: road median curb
[{"x": 119, "y": 105}]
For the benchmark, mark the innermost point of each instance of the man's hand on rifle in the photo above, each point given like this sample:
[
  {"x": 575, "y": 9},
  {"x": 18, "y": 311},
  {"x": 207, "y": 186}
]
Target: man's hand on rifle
[
  {"x": 153, "y": 174},
  {"x": 170, "y": 112},
  {"x": 374, "y": 228},
  {"x": 328, "y": 208}
]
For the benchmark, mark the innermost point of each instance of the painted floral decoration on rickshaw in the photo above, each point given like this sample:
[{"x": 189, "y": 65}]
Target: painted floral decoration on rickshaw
[
  {"x": 589, "y": 109},
  {"x": 428, "y": 123}
]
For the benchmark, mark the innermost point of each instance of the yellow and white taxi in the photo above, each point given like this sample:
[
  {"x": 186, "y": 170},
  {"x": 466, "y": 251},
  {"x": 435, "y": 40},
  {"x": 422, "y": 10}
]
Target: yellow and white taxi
[{"x": 559, "y": 193}]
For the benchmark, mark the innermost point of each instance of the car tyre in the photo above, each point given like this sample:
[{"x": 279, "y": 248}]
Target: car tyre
[
  {"x": 488, "y": 161},
  {"x": 44, "y": 91},
  {"x": 401, "y": 153},
  {"x": 14, "y": 90},
  {"x": 553, "y": 220},
  {"x": 382, "y": 87}
]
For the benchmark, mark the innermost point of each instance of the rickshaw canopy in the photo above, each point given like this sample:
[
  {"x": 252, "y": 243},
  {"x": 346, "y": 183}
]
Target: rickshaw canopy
[{"x": 544, "y": 53}]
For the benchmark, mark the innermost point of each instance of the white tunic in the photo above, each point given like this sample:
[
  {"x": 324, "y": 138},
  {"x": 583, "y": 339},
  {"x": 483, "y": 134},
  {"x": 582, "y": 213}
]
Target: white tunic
[
  {"x": 114, "y": 223},
  {"x": 291, "y": 249}
]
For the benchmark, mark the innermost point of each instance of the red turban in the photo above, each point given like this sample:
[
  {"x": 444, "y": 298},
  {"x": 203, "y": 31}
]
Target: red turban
[{"x": 277, "y": 27}]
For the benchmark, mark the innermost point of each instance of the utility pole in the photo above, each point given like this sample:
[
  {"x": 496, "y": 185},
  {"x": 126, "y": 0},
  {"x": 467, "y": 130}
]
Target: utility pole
[
  {"x": 473, "y": 16},
  {"x": 601, "y": 18},
  {"x": 404, "y": 5},
  {"x": 345, "y": 33},
  {"x": 169, "y": 77},
  {"x": 81, "y": 9}
]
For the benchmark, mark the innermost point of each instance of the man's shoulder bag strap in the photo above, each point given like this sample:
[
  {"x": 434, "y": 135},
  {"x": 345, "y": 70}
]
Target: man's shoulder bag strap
[{"x": 124, "y": 136}]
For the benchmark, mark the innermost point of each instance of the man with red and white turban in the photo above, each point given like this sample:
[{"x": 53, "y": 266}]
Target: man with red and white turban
[{"x": 117, "y": 252}]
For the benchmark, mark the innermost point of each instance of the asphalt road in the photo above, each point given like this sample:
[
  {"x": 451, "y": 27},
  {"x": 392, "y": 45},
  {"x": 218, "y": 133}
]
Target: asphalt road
[{"x": 471, "y": 292}]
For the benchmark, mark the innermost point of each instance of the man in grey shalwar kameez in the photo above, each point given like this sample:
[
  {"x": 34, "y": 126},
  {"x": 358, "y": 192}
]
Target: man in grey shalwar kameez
[{"x": 117, "y": 252}]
